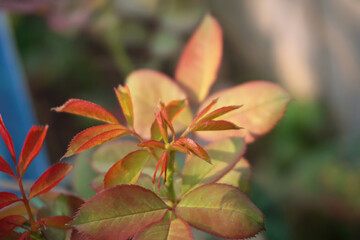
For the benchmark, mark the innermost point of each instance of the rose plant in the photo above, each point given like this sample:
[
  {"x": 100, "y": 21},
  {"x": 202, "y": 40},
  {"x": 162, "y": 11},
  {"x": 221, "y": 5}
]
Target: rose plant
[{"x": 143, "y": 192}]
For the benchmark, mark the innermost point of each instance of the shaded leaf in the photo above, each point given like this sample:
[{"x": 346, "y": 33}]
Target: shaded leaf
[
  {"x": 213, "y": 125},
  {"x": 9, "y": 223},
  {"x": 109, "y": 153},
  {"x": 223, "y": 154},
  {"x": 264, "y": 104},
  {"x": 239, "y": 176},
  {"x": 124, "y": 98},
  {"x": 127, "y": 170},
  {"x": 177, "y": 229},
  {"x": 124, "y": 204},
  {"x": 59, "y": 222},
  {"x": 5, "y": 167},
  {"x": 17, "y": 208},
  {"x": 49, "y": 179},
  {"x": 219, "y": 112},
  {"x": 147, "y": 87},
  {"x": 94, "y": 136},
  {"x": 152, "y": 144},
  {"x": 7, "y": 198},
  {"x": 200, "y": 59},
  {"x": 86, "y": 109},
  {"x": 229, "y": 213},
  {"x": 32, "y": 146},
  {"x": 7, "y": 139},
  {"x": 193, "y": 147}
]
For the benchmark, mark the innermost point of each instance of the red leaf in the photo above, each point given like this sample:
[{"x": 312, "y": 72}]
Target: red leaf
[
  {"x": 32, "y": 146},
  {"x": 5, "y": 167},
  {"x": 9, "y": 223},
  {"x": 24, "y": 236},
  {"x": 193, "y": 147},
  {"x": 220, "y": 111},
  {"x": 180, "y": 148},
  {"x": 200, "y": 59},
  {"x": 94, "y": 136},
  {"x": 49, "y": 179},
  {"x": 204, "y": 111},
  {"x": 59, "y": 222},
  {"x": 7, "y": 139},
  {"x": 7, "y": 198},
  {"x": 152, "y": 144},
  {"x": 162, "y": 127},
  {"x": 213, "y": 125},
  {"x": 86, "y": 109}
]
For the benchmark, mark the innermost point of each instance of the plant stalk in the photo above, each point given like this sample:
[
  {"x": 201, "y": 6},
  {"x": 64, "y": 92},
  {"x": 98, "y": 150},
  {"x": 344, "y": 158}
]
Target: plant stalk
[{"x": 170, "y": 175}]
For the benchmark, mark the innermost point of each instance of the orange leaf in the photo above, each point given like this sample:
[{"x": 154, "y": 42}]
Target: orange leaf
[
  {"x": 200, "y": 59},
  {"x": 220, "y": 111},
  {"x": 49, "y": 179},
  {"x": 5, "y": 167},
  {"x": 59, "y": 222},
  {"x": 147, "y": 87},
  {"x": 213, "y": 125},
  {"x": 94, "y": 136},
  {"x": 180, "y": 148},
  {"x": 124, "y": 98},
  {"x": 152, "y": 144},
  {"x": 7, "y": 139},
  {"x": 204, "y": 111},
  {"x": 7, "y": 198},
  {"x": 86, "y": 109},
  {"x": 193, "y": 147},
  {"x": 162, "y": 127},
  {"x": 264, "y": 104},
  {"x": 32, "y": 146}
]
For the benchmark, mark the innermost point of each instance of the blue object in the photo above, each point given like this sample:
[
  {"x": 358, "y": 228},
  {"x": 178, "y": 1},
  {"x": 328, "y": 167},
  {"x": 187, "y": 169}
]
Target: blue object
[{"x": 15, "y": 103}]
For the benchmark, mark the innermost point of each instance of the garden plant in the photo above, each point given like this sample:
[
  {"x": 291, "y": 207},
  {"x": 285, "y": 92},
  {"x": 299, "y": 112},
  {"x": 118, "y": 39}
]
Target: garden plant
[{"x": 179, "y": 162}]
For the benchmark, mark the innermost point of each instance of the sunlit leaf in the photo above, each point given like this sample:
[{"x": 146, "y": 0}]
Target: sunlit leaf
[
  {"x": 129, "y": 208},
  {"x": 7, "y": 139},
  {"x": 49, "y": 179},
  {"x": 152, "y": 144},
  {"x": 109, "y": 153},
  {"x": 7, "y": 198},
  {"x": 127, "y": 170},
  {"x": 204, "y": 110},
  {"x": 59, "y": 222},
  {"x": 193, "y": 147},
  {"x": 224, "y": 155},
  {"x": 124, "y": 98},
  {"x": 5, "y": 167},
  {"x": 177, "y": 229},
  {"x": 213, "y": 125},
  {"x": 222, "y": 210},
  {"x": 178, "y": 147},
  {"x": 87, "y": 109},
  {"x": 264, "y": 104},
  {"x": 94, "y": 136},
  {"x": 32, "y": 147},
  {"x": 239, "y": 176},
  {"x": 200, "y": 59},
  {"x": 147, "y": 87},
  {"x": 9, "y": 223},
  {"x": 219, "y": 112},
  {"x": 162, "y": 127}
]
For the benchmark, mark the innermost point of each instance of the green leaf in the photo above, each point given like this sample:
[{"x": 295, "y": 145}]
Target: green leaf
[
  {"x": 223, "y": 154},
  {"x": 147, "y": 87},
  {"x": 128, "y": 209},
  {"x": 127, "y": 170},
  {"x": 264, "y": 104},
  {"x": 177, "y": 229},
  {"x": 239, "y": 176},
  {"x": 221, "y": 210},
  {"x": 109, "y": 153}
]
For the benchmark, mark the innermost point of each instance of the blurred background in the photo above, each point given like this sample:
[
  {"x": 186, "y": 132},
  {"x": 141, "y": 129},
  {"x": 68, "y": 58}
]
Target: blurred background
[{"x": 306, "y": 171}]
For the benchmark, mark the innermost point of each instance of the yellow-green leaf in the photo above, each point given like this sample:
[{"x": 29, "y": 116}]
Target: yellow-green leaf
[
  {"x": 127, "y": 170},
  {"x": 221, "y": 210},
  {"x": 264, "y": 104},
  {"x": 147, "y": 87},
  {"x": 200, "y": 59},
  {"x": 124, "y": 98},
  {"x": 223, "y": 154},
  {"x": 124, "y": 204},
  {"x": 239, "y": 176}
]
